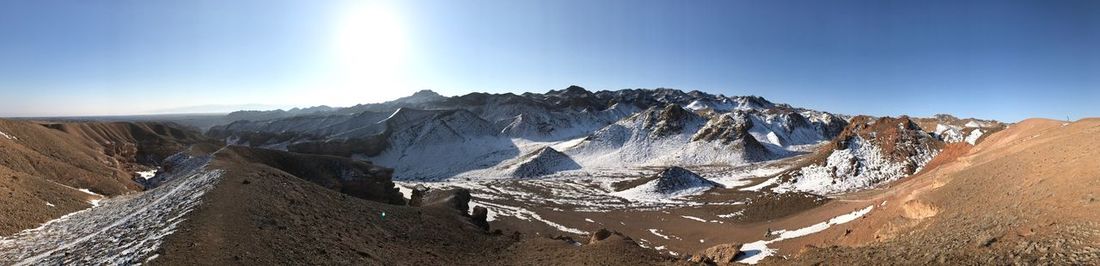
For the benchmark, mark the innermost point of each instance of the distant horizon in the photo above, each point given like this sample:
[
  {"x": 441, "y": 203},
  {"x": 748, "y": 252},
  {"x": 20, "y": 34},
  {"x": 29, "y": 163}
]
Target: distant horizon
[
  {"x": 230, "y": 109},
  {"x": 1002, "y": 60}
]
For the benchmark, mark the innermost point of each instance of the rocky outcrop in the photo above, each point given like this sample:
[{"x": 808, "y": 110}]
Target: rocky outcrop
[
  {"x": 458, "y": 199},
  {"x": 868, "y": 152},
  {"x": 480, "y": 217},
  {"x": 599, "y": 235},
  {"x": 669, "y": 120},
  {"x": 720, "y": 254},
  {"x": 416, "y": 197},
  {"x": 674, "y": 179},
  {"x": 727, "y": 128}
]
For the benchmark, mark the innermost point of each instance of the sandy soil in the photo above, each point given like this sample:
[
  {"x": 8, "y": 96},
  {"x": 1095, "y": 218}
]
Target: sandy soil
[{"x": 1018, "y": 197}]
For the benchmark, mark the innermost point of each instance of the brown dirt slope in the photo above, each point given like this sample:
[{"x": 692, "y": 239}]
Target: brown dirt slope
[
  {"x": 1025, "y": 195},
  {"x": 143, "y": 142},
  {"x": 47, "y": 162},
  {"x": 262, "y": 215}
]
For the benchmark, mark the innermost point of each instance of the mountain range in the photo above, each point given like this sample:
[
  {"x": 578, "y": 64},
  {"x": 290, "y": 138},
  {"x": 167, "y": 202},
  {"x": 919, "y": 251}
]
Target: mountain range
[{"x": 566, "y": 177}]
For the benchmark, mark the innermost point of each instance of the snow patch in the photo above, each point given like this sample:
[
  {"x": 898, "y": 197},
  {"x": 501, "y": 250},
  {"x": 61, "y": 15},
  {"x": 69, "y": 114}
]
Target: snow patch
[
  {"x": 756, "y": 251},
  {"x": 654, "y": 232},
  {"x": 522, "y": 214},
  {"x": 731, "y": 215},
  {"x": 760, "y": 186},
  {"x": 406, "y": 191},
  {"x": 948, "y": 133},
  {"x": 974, "y": 136},
  {"x": 147, "y": 174},
  {"x": 6, "y": 136}
]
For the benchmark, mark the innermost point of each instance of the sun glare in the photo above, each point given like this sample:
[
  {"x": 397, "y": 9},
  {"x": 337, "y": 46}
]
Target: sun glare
[{"x": 369, "y": 51}]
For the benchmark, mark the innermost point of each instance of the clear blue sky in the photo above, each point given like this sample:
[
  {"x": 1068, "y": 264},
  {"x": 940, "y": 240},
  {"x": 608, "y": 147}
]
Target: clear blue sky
[{"x": 1006, "y": 60}]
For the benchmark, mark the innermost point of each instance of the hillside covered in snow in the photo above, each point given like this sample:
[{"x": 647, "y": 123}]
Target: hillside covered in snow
[{"x": 431, "y": 137}]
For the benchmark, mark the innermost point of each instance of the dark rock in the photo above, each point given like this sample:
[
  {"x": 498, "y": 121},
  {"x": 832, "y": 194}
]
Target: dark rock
[
  {"x": 600, "y": 235},
  {"x": 459, "y": 199},
  {"x": 480, "y": 217},
  {"x": 675, "y": 178},
  {"x": 416, "y": 198}
]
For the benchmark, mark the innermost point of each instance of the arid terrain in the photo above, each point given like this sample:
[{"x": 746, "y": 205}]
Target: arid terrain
[{"x": 660, "y": 177}]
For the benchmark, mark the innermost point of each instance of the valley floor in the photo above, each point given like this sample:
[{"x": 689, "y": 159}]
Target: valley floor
[{"x": 981, "y": 205}]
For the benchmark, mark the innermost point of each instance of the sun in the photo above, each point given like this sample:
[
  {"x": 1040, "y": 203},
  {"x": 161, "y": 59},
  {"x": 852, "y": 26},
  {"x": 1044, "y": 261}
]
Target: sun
[{"x": 369, "y": 51}]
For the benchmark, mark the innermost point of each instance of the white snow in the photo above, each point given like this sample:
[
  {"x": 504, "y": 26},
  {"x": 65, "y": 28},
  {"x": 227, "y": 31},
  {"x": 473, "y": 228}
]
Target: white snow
[
  {"x": 406, "y": 191},
  {"x": 731, "y": 215},
  {"x": 740, "y": 177},
  {"x": 6, "y": 136},
  {"x": 974, "y": 136},
  {"x": 948, "y": 133},
  {"x": 589, "y": 220},
  {"x": 151, "y": 258},
  {"x": 654, "y": 232},
  {"x": 756, "y": 251},
  {"x": 147, "y": 174},
  {"x": 50, "y": 204},
  {"x": 564, "y": 145},
  {"x": 760, "y": 186},
  {"x": 860, "y": 165},
  {"x": 974, "y": 124},
  {"x": 523, "y": 214},
  {"x": 694, "y": 218},
  {"x": 774, "y": 139}
]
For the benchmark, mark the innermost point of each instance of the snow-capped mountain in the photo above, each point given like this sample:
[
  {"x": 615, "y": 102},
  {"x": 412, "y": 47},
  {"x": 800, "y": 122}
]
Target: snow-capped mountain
[
  {"x": 868, "y": 152},
  {"x": 430, "y": 137},
  {"x": 951, "y": 129},
  {"x": 543, "y": 162}
]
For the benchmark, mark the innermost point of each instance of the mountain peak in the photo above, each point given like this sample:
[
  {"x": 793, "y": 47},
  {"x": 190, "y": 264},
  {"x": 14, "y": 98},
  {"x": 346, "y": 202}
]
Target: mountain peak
[
  {"x": 426, "y": 93},
  {"x": 423, "y": 96}
]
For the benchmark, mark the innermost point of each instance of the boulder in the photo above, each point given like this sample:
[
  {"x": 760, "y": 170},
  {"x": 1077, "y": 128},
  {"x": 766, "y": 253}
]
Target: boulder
[
  {"x": 598, "y": 236},
  {"x": 458, "y": 199},
  {"x": 416, "y": 198},
  {"x": 479, "y": 216},
  {"x": 721, "y": 254}
]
